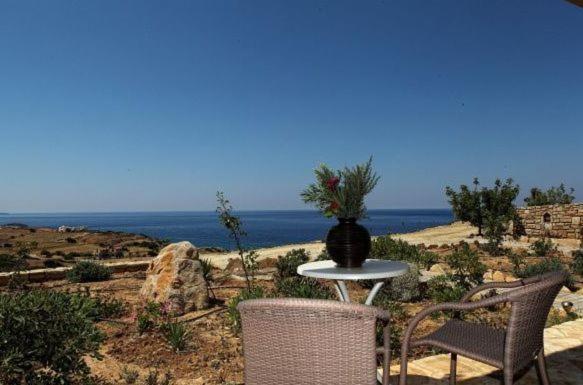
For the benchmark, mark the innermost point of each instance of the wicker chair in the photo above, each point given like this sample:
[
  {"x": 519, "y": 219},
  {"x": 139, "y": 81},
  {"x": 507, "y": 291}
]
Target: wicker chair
[
  {"x": 512, "y": 349},
  {"x": 298, "y": 341}
]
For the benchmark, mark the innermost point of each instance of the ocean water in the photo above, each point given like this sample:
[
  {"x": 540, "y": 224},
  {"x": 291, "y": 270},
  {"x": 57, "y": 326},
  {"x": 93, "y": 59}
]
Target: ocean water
[{"x": 264, "y": 228}]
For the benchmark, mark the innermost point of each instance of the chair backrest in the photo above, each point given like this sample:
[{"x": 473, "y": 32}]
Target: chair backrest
[
  {"x": 299, "y": 341},
  {"x": 530, "y": 308}
]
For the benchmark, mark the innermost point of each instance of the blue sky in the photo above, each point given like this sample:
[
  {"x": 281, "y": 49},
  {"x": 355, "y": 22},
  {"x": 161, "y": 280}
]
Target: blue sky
[{"x": 142, "y": 105}]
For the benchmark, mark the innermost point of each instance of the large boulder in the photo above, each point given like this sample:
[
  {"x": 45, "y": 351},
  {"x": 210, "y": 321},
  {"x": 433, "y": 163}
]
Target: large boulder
[{"x": 175, "y": 279}]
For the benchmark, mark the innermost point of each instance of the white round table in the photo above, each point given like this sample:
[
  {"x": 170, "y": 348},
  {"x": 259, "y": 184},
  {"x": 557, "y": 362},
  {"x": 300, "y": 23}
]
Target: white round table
[{"x": 372, "y": 269}]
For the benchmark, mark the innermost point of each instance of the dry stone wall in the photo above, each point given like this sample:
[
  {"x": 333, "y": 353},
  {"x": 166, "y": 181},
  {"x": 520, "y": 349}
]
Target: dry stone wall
[{"x": 554, "y": 221}]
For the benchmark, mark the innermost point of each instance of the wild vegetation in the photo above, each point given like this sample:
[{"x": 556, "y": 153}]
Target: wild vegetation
[
  {"x": 552, "y": 196},
  {"x": 489, "y": 209}
]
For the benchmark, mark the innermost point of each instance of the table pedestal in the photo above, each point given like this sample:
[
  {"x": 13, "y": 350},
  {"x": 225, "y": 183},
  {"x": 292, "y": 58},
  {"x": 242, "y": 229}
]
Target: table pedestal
[{"x": 343, "y": 295}]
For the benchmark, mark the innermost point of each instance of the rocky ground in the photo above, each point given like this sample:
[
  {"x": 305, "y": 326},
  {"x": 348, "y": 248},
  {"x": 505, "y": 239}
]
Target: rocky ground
[{"x": 213, "y": 354}]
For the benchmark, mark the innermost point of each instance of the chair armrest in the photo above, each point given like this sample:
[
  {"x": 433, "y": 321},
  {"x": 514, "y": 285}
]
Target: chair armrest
[
  {"x": 455, "y": 306},
  {"x": 490, "y": 286}
]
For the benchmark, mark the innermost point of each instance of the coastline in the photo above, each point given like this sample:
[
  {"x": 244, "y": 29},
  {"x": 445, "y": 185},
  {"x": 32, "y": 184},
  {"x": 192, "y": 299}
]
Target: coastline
[{"x": 448, "y": 234}]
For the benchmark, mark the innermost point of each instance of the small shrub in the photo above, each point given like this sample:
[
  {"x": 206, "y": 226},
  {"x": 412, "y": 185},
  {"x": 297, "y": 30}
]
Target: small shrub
[
  {"x": 287, "y": 265},
  {"x": 442, "y": 289},
  {"x": 71, "y": 240},
  {"x": 405, "y": 288},
  {"x": 466, "y": 269},
  {"x": 177, "y": 335},
  {"x": 577, "y": 265},
  {"x": 544, "y": 266},
  {"x": 207, "y": 270},
  {"x": 10, "y": 262},
  {"x": 129, "y": 376},
  {"x": 46, "y": 253},
  {"x": 154, "y": 378},
  {"x": 557, "y": 317},
  {"x": 87, "y": 271},
  {"x": 44, "y": 337},
  {"x": 302, "y": 287},
  {"x": 145, "y": 323},
  {"x": 323, "y": 256},
  {"x": 543, "y": 247},
  {"x": 110, "y": 307},
  {"x": 233, "y": 314},
  {"x": 385, "y": 247},
  {"x": 398, "y": 321},
  {"x": 51, "y": 263}
]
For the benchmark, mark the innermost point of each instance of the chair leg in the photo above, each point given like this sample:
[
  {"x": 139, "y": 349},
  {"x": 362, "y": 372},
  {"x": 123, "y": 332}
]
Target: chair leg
[
  {"x": 541, "y": 369},
  {"x": 508, "y": 377},
  {"x": 403, "y": 371},
  {"x": 453, "y": 369}
]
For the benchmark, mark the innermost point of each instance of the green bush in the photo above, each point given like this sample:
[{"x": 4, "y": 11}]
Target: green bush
[
  {"x": 44, "y": 336},
  {"x": 10, "y": 262},
  {"x": 405, "y": 288},
  {"x": 233, "y": 314},
  {"x": 287, "y": 265},
  {"x": 398, "y": 320},
  {"x": 385, "y": 247},
  {"x": 544, "y": 266},
  {"x": 177, "y": 335},
  {"x": 302, "y": 287},
  {"x": 443, "y": 289},
  {"x": 577, "y": 265},
  {"x": 466, "y": 269},
  {"x": 466, "y": 272},
  {"x": 543, "y": 247},
  {"x": 87, "y": 271}
]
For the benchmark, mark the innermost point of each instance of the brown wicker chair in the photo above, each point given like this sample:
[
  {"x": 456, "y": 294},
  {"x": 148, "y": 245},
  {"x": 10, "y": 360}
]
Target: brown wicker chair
[
  {"x": 512, "y": 349},
  {"x": 298, "y": 341}
]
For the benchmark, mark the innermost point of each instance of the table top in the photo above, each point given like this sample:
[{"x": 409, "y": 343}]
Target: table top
[{"x": 371, "y": 269}]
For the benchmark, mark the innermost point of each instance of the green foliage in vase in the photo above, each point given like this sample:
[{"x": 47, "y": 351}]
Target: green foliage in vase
[
  {"x": 553, "y": 196},
  {"x": 341, "y": 193}
]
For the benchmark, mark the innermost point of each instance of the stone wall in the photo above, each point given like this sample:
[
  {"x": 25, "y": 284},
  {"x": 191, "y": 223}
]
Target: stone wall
[{"x": 554, "y": 221}]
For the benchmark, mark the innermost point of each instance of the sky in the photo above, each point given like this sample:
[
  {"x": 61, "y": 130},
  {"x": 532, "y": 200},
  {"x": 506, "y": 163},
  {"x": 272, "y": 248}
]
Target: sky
[{"x": 156, "y": 105}]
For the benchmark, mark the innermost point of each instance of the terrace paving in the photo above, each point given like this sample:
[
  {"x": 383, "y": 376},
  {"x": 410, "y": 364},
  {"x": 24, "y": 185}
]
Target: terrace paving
[{"x": 564, "y": 352}]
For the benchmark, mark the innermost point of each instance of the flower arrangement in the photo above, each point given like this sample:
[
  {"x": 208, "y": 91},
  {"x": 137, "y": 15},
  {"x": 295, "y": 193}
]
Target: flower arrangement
[{"x": 341, "y": 193}]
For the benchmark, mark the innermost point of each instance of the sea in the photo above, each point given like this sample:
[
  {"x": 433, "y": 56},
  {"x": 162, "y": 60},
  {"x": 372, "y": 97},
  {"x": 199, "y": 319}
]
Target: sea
[{"x": 263, "y": 228}]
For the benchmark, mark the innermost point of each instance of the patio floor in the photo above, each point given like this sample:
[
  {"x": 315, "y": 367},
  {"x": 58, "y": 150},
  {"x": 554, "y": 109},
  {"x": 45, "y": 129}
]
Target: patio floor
[{"x": 563, "y": 348}]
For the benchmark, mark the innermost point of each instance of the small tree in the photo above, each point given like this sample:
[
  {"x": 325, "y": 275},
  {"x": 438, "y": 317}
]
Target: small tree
[
  {"x": 553, "y": 196},
  {"x": 498, "y": 209},
  {"x": 236, "y": 232},
  {"x": 467, "y": 204},
  {"x": 489, "y": 209}
]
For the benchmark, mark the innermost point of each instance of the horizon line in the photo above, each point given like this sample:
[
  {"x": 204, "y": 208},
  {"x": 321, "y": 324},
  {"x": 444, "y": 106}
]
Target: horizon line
[{"x": 3, "y": 213}]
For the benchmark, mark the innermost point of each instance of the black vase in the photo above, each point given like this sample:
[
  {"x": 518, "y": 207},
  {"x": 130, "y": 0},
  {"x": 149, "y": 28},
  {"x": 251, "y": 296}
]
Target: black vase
[{"x": 348, "y": 243}]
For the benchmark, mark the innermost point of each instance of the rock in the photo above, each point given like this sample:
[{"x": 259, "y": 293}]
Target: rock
[
  {"x": 499, "y": 276},
  {"x": 439, "y": 268},
  {"x": 488, "y": 275},
  {"x": 175, "y": 279}
]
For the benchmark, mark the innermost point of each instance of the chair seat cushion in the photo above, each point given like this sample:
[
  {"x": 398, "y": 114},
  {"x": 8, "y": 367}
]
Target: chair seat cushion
[{"x": 476, "y": 341}]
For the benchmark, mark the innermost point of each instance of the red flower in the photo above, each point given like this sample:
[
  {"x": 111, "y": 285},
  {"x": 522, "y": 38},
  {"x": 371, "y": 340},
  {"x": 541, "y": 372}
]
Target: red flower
[
  {"x": 334, "y": 206},
  {"x": 332, "y": 183}
]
